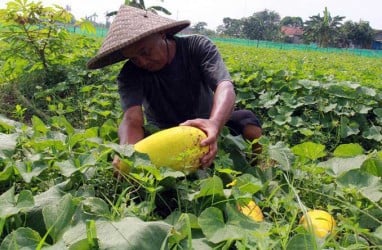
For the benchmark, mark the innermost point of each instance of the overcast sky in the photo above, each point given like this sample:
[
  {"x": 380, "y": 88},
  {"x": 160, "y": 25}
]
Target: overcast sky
[{"x": 213, "y": 11}]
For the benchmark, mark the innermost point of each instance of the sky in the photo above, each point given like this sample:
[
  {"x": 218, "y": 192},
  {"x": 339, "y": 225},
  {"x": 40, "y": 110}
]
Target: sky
[{"x": 213, "y": 11}]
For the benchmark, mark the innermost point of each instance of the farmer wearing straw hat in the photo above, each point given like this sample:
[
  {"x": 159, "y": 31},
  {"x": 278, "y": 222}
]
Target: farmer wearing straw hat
[{"x": 170, "y": 80}]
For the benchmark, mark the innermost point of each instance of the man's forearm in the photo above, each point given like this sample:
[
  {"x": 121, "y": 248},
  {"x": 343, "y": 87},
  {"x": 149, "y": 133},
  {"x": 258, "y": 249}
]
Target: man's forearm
[
  {"x": 224, "y": 102},
  {"x": 129, "y": 133},
  {"x": 131, "y": 128}
]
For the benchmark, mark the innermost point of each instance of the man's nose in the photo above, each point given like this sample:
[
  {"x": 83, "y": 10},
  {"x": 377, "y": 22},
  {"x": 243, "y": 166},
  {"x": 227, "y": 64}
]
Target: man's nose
[{"x": 140, "y": 61}]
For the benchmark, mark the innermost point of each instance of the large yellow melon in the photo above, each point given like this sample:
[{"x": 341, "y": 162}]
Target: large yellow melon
[
  {"x": 178, "y": 148},
  {"x": 252, "y": 210},
  {"x": 321, "y": 221}
]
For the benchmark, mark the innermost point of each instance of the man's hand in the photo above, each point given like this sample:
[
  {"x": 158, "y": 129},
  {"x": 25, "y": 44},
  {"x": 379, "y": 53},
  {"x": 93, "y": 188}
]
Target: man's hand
[{"x": 212, "y": 130}]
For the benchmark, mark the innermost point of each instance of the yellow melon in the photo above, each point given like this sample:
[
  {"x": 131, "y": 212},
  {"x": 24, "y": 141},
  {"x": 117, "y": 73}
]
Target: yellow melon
[
  {"x": 322, "y": 222},
  {"x": 252, "y": 210},
  {"x": 178, "y": 148}
]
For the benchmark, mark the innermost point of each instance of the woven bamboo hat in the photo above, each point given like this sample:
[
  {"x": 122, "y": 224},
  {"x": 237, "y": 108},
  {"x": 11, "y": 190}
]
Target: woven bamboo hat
[{"x": 130, "y": 26}]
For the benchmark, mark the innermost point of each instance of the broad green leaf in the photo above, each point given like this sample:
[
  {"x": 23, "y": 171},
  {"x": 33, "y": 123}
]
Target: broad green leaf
[
  {"x": 213, "y": 225},
  {"x": 6, "y": 174},
  {"x": 12, "y": 204},
  {"x": 81, "y": 136},
  {"x": 246, "y": 185},
  {"x": 309, "y": 150},
  {"x": 236, "y": 226},
  {"x": 62, "y": 122},
  {"x": 378, "y": 113},
  {"x": 268, "y": 100},
  {"x": 67, "y": 167},
  {"x": 128, "y": 233},
  {"x": 338, "y": 166},
  {"x": 348, "y": 150},
  {"x": 373, "y": 133},
  {"x": 362, "y": 109},
  {"x": 47, "y": 144},
  {"x": 39, "y": 126},
  {"x": 52, "y": 195},
  {"x": 368, "y": 185},
  {"x": 82, "y": 163},
  {"x": 96, "y": 206},
  {"x": 282, "y": 154},
  {"x": 302, "y": 242},
  {"x": 21, "y": 238},
  {"x": 29, "y": 169},
  {"x": 373, "y": 166},
  {"x": 212, "y": 186},
  {"x": 348, "y": 128},
  {"x": 58, "y": 217},
  {"x": 8, "y": 144}
]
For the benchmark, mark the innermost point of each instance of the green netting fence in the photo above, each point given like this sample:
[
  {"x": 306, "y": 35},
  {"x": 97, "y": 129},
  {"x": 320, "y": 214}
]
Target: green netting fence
[{"x": 102, "y": 31}]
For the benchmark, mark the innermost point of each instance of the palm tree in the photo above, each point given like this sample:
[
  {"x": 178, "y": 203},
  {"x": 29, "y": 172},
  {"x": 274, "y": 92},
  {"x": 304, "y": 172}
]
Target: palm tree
[
  {"x": 141, "y": 5},
  {"x": 322, "y": 30}
]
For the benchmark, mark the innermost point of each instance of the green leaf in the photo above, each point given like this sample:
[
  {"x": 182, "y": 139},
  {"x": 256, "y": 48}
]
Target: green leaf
[
  {"x": 338, "y": 166},
  {"x": 236, "y": 226},
  {"x": 348, "y": 128},
  {"x": 62, "y": 122},
  {"x": 29, "y": 169},
  {"x": 302, "y": 242},
  {"x": 373, "y": 165},
  {"x": 373, "y": 133},
  {"x": 348, "y": 150},
  {"x": 128, "y": 233},
  {"x": 281, "y": 154},
  {"x": 212, "y": 186},
  {"x": 309, "y": 150},
  {"x": 246, "y": 185},
  {"x": 96, "y": 206},
  {"x": 67, "y": 167},
  {"x": 57, "y": 217},
  {"x": 213, "y": 225},
  {"x": 8, "y": 144},
  {"x": 368, "y": 185},
  {"x": 6, "y": 174},
  {"x": 21, "y": 238},
  {"x": 12, "y": 204},
  {"x": 39, "y": 126}
]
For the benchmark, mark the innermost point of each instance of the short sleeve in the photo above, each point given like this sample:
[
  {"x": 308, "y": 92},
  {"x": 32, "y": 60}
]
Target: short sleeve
[
  {"x": 129, "y": 88},
  {"x": 211, "y": 63}
]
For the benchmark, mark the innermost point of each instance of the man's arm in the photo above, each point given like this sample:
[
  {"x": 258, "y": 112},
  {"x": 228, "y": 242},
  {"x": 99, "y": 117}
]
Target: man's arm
[
  {"x": 131, "y": 128},
  {"x": 223, "y": 104}
]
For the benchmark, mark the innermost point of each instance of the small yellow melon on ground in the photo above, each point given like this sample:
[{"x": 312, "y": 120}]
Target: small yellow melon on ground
[
  {"x": 322, "y": 222},
  {"x": 178, "y": 148},
  {"x": 252, "y": 210}
]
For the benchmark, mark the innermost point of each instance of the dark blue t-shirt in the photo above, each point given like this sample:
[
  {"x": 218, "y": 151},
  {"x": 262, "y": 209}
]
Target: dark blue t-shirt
[{"x": 182, "y": 90}]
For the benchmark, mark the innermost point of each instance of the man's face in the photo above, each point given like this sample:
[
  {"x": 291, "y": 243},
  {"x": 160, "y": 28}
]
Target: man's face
[{"x": 149, "y": 54}]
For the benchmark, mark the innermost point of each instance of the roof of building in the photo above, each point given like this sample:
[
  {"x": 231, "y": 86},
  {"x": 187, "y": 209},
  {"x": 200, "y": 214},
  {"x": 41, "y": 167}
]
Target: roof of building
[{"x": 292, "y": 31}]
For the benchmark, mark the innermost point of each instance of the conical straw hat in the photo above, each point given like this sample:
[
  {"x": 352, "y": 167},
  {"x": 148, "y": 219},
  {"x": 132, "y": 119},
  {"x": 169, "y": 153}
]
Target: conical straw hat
[{"x": 129, "y": 26}]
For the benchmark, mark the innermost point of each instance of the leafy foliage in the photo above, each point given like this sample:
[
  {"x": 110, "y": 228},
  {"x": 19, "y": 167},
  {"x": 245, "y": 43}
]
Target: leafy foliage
[{"x": 321, "y": 150}]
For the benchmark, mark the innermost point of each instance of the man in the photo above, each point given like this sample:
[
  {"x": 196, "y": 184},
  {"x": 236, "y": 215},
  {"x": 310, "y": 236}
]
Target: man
[{"x": 170, "y": 81}]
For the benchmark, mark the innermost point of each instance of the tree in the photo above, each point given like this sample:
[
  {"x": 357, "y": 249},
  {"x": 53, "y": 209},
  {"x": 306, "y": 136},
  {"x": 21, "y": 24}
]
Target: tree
[
  {"x": 141, "y": 5},
  {"x": 200, "y": 27},
  {"x": 322, "y": 30},
  {"x": 232, "y": 27},
  {"x": 359, "y": 34},
  {"x": 269, "y": 24},
  {"x": 292, "y": 21},
  {"x": 253, "y": 28}
]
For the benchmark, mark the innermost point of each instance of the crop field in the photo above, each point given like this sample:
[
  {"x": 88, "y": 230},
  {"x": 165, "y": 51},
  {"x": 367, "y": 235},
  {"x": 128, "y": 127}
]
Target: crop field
[{"x": 322, "y": 122}]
